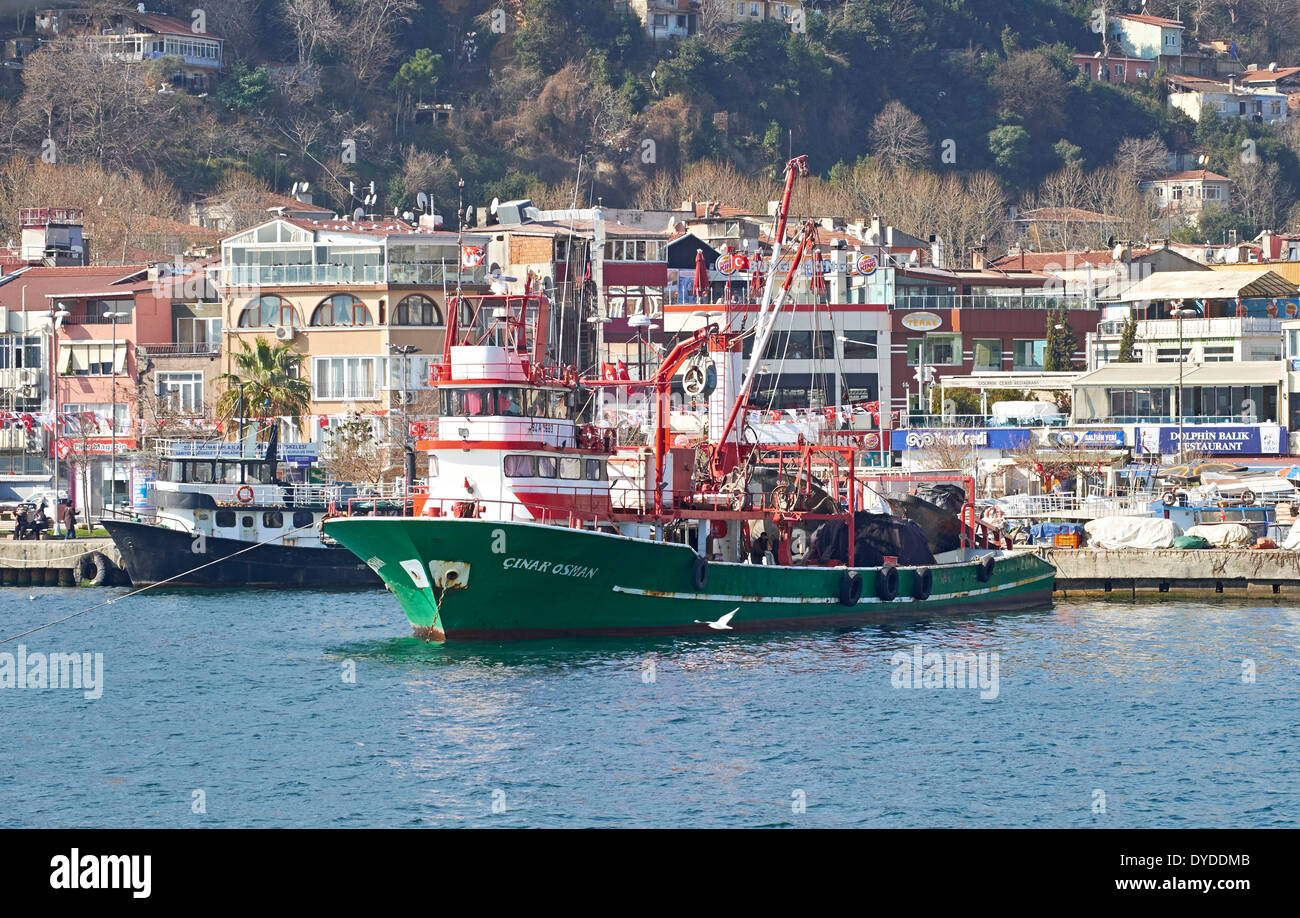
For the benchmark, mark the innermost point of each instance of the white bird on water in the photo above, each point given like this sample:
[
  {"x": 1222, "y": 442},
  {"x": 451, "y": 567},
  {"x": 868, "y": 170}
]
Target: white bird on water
[{"x": 721, "y": 624}]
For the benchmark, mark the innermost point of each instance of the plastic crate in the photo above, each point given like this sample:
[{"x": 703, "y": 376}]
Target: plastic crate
[{"x": 1066, "y": 540}]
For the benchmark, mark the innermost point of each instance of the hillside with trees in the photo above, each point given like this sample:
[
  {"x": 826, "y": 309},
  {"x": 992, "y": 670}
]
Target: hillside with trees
[{"x": 936, "y": 114}]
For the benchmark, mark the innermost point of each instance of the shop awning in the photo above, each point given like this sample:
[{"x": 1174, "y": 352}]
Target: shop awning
[{"x": 1244, "y": 373}]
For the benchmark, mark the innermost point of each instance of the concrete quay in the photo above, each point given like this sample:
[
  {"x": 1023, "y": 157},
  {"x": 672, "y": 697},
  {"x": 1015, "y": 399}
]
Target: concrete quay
[
  {"x": 57, "y": 562},
  {"x": 1166, "y": 570}
]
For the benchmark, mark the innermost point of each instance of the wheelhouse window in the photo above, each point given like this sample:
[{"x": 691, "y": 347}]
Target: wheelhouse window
[
  {"x": 571, "y": 468},
  {"x": 521, "y": 466},
  {"x": 268, "y": 311},
  {"x": 342, "y": 309},
  {"x": 483, "y": 402},
  {"x": 417, "y": 309},
  {"x": 546, "y": 467}
]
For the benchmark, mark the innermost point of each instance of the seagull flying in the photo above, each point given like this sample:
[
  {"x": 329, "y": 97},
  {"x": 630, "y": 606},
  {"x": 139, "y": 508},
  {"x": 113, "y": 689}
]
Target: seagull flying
[{"x": 721, "y": 624}]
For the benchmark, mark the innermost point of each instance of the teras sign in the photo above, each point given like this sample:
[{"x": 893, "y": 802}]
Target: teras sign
[{"x": 921, "y": 321}]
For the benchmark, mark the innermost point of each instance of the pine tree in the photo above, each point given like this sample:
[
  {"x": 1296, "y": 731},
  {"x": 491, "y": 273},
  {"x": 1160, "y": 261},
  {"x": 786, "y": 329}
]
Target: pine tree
[{"x": 1126, "y": 338}]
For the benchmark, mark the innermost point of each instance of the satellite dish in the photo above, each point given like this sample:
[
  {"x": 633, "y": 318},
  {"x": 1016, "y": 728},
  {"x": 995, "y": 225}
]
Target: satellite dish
[
  {"x": 359, "y": 214},
  {"x": 914, "y": 258},
  {"x": 306, "y": 185},
  {"x": 492, "y": 208},
  {"x": 422, "y": 200},
  {"x": 294, "y": 189},
  {"x": 469, "y": 215},
  {"x": 409, "y": 217},
  {"x": 1118, "y": 253}
]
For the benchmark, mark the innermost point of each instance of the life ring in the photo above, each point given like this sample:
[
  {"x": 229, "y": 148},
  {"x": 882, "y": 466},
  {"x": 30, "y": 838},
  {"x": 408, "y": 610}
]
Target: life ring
[
  {"x": 887, "y": 583},
  {"x": 850, "y": 588},
  {"x": 92, "y": 568},
  {"x": 993, "y": 516},
  {"x": 1169, "y": 498},
  {"x": 922, "y": 583},
  {"x": 1248, "y": 497},
  {"x": 244, "y": 494},
  {"x": 718, "y": 529},
  {"x": 699, "y": 573},
  {"x": 984, "y": 569}
]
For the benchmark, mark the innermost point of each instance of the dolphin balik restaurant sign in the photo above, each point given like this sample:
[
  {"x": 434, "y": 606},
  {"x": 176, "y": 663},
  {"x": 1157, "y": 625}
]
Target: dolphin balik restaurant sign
[{"x": 1245, "y": 439}]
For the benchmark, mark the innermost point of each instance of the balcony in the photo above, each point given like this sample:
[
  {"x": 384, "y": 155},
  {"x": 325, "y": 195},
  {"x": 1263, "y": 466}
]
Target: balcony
[
  {"x": 183, "y": 349},
  {"x": 1222, "y": 327},
  {"x": 990, "y": 301},
  {"x": 336, "y": 275}
]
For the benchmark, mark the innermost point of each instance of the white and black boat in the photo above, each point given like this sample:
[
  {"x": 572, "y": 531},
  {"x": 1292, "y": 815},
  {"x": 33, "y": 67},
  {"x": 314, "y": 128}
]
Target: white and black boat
[{"x": 223, "y": 520}]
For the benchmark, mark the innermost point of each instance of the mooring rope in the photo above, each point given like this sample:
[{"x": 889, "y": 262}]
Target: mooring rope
[{"x": 143, "y": 589}]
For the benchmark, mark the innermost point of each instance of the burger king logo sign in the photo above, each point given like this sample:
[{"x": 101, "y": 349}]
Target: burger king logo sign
[{"x": 921, "y": 321}]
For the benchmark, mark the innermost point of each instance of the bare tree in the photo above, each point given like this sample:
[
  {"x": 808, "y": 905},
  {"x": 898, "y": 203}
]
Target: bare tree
[
  {"x": 898, "y": 136},
  {"x": 1256, "y": 192},
  {"x": 368, "y": 35},
  {"x": 1142, "y": 158},
  {"x": 315, "y": 26}
]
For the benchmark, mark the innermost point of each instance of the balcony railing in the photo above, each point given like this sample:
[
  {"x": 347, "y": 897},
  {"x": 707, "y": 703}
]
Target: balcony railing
[
  {"x": 322, "y": 275},
  {"x": 1221, "y": 327},
  {"x": 185, "y": 349},
  {"x": 990, "y": 301},
  {"x": 978, "y": 420}
]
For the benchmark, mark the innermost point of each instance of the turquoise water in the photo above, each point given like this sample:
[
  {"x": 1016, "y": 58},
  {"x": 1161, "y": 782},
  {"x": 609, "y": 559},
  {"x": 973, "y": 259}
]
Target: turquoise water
[{"x": 236, "y": 704}]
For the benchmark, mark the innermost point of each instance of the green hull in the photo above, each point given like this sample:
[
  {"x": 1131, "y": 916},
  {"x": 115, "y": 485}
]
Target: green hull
[{"x": 470, "y": 579}]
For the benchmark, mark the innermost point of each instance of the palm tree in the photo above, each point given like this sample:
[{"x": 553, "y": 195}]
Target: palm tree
[{"x": 266, "y": 376}]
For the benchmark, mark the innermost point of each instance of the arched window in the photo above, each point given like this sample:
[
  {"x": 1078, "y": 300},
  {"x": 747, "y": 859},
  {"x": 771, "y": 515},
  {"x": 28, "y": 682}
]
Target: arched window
[
  {"x": 417, "y": 309},
  {"x": 266, "y": 311},
  {"x": 341, "y": 309}
]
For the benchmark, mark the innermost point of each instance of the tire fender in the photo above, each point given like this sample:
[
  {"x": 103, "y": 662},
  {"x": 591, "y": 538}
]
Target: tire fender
[
  {"x": 887, "y": 583},
  {"x": 922, "y": 583},
  {"x": 850, "y": 588},
  {"x": 984, "y": 569},
  {"x": 699, "y": 573}
]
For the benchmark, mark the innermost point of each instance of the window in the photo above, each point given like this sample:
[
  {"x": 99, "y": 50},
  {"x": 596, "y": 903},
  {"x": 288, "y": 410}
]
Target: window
[
  {"x": 595, "y": 470},
  {"x": 1029, "y": 354},
  {"x": 1219, "y": 353},
  {"x": 93, "y": 419},
  {"x": 661, "y": 21},
  {"x": 482, "y": 402},
  {"x": 417, "y": 309},
  {"x": 340, "y": 378},
  {"x": 19, "y": 351},
  {"x": 302, "y": 518},
  {"x": 273, "y": 519},
  {"x": 861, "y": 345},
  {"x": 225, "y": 519},
  {"x": 267, "y": 311},
  {"x": 196, "y": 335},
  {"x": 571, "y": 468},
  {"x": 92, "y": 359},
  {"x": 521, "y": 466},
  {"x": 545, "y": 466},
  {"x": 941, "y": 350},
  {"x": 987, "y": 353},
  {"x": 181, "y": 392},
  {"x": 246, "y": 522},
  {"x": 342, "y": 309}
]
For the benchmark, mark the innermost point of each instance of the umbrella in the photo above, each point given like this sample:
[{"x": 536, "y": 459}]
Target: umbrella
[{"x": 701, "y": 274}]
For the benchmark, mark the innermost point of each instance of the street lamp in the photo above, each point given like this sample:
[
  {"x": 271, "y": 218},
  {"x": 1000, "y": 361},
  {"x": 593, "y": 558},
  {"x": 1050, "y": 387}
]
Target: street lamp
[
  {"x": 112, "y": 416},
  {"x": 56, "y": 319},
  {"x": 1179, "y": 312},
  {"x": 405, "y": 351},
  {"x": 638, "y": 322}
]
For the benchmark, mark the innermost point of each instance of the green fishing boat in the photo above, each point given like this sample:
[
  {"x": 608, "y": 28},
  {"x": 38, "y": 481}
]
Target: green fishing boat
[
  {"x": 539, "y": 521},
  {"x": 481, "y": 579}
]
